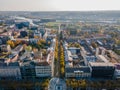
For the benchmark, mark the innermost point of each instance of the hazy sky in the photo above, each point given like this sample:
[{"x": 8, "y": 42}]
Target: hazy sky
[{"x": 58, "y": 5}]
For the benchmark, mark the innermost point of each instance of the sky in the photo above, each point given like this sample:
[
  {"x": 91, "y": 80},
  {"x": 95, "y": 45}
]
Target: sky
[{"x": 59, "y": 5}]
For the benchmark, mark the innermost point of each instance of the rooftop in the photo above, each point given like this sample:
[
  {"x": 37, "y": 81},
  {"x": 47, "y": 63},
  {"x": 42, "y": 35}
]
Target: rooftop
[
  {"x": 73, "y": 48},
  {"x": 103, "y": 58},
  {"x": 18, "y": 48},
  {"x": 101, "y": 64}
]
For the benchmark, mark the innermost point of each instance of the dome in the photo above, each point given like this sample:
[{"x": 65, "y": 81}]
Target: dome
[{"x": 57, "y": 84}]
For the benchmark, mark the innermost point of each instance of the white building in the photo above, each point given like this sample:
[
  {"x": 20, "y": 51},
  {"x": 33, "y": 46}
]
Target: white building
[
  {"x": 117, "y": 73},
  {"x": 43, "y": 71},
  {"x": 80, "y": 72}
]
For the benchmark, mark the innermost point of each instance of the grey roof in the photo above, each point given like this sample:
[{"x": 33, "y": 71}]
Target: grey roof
[
  {"x": 28, "y": 63},
  {"x": 101, "y": 64}
]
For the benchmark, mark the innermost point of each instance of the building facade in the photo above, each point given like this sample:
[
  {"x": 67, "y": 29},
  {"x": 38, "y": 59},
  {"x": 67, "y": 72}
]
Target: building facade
[
  {"x": 43, "y": 71},
  {"x": 10, "y": 72},
  {"x": 80, "y": 72}
]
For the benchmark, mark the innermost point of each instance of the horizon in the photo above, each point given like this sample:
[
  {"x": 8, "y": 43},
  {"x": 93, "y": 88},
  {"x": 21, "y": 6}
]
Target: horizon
[
  {"x": 59, "y": 5},
  {"x": 63, "y": 11}
]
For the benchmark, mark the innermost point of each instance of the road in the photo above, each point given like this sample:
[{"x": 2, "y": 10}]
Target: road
[
  {"x": 56, "y": 83},
  {"x": 57, "y": 64}
]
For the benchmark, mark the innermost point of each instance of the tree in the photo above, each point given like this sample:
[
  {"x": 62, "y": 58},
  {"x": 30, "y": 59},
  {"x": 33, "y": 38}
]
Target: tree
[
  {"x": 11, "y": 43},
  {"x": 49, "y": 43},
  {"x": 42, "y": 41},
  {"x": 36, "y": 37},
  {"x": 94, "y": 45},
  {"x": 17, "y": 42},
  {"x": 45, "y": 83},
  {"x": 28, "y": 48},
  {"x": 56, "y": 51},
  {"x": 39, "y": 42},
  {"x": 76, "y": 83},
  {"x": 77, "y": 45},
  {"x": 62, "y": 70},
  {"x": 62, "y": 61}
]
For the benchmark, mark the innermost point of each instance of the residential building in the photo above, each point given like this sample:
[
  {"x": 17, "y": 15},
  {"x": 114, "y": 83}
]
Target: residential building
[
  {"x": 10, "y": 71},
  {"x": 102, "y": 70},
  {"x": 43, "y": 70},
  {"x": 78, "y": 72},
  {"x": 5, "y": 48},
  {"x": 28, "y": 70}
]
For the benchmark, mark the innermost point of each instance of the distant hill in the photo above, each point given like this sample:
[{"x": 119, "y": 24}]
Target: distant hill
[{"x": 84, "y": 15}]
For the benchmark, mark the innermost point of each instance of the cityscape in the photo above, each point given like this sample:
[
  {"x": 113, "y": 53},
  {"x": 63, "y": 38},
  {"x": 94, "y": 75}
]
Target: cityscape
[{"x": 65, "y": 50}]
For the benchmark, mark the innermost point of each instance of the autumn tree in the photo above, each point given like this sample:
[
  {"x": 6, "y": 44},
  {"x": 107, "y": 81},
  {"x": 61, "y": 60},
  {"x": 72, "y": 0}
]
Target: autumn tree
[
  {"x": 94, "y": 45},
  {"x": 17, "y": 42},
  {"x": 28, "y": 48},
  {"x": 56, "y": 51},
  {"x": 62, "y": 60},
  {"x": 11, "y": 43}
]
